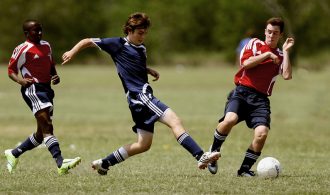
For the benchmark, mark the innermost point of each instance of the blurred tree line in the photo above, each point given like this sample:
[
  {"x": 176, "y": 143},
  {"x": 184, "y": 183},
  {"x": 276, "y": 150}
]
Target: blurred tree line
[{"x": 178, "y": 26}]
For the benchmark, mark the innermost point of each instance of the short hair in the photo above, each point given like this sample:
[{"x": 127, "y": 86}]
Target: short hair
[
  {"x": 276, "y": 22},
  {"x": 27, "y": 24},
  {"x": 136, "y": 20}
]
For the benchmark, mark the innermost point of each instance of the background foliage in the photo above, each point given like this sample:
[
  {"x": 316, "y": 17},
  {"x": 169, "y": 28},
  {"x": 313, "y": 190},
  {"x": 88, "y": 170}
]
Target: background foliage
[{"x": 179, "y": 27}]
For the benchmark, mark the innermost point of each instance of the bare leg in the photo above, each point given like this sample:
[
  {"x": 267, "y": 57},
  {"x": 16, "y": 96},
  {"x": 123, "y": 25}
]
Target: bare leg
[{"x": 142, "y": 144}]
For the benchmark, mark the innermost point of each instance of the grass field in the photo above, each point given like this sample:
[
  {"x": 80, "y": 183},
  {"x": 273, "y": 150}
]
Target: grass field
[{"x": 92, "y": 119}]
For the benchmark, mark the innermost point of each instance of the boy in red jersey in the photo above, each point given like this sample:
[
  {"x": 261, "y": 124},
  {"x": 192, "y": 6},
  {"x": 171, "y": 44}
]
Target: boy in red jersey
[
  {"x": 260, "y": 63},
  {"x": 33, "y": 59}
]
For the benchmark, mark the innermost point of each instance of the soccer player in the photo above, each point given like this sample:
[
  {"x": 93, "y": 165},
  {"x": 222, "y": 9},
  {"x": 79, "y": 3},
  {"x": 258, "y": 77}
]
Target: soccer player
[
  {"x": 33, "y": 59},
  {"x": 129, "y": 56},
  {"x": 260, "y": 63}
]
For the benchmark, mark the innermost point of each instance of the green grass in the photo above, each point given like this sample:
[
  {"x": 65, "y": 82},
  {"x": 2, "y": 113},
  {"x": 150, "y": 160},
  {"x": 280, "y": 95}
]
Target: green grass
[{"x": 92, "y": 119}]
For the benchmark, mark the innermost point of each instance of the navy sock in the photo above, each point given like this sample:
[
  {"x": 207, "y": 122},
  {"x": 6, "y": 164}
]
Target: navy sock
[
  {"x": 189, "y": 144},
  {"x": 116, "y": 157},
  {"x": 54, "y": 148},
  {"x": 250, "y": 158},
  {"x": 217, "y": 141},
  {"x": 30, "y": 143}
]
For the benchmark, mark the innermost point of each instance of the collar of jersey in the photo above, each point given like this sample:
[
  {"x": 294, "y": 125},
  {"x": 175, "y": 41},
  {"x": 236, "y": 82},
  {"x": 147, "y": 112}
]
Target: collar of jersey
[{"x": 136, "y": 46}]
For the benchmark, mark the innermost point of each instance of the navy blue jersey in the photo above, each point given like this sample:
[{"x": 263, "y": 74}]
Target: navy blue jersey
[{"x": 130, "y": 61}]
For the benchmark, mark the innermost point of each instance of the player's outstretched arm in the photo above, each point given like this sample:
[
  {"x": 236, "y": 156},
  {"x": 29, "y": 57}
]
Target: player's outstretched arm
[{"x": 67, "y": 56}]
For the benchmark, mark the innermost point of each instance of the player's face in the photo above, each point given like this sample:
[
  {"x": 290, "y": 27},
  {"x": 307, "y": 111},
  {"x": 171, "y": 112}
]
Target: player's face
[
  {"x": 35, "y": 33},
  {"x": 137, "y": 36},
  {"x": 273, "y": 35}
]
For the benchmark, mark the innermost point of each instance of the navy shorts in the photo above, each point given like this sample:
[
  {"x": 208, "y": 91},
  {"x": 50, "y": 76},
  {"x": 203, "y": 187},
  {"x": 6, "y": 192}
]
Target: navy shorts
[
  {"x": 146, "y": 110},
  {"x": 250, "y": 105},
  {"x": 38, "y": 96}
]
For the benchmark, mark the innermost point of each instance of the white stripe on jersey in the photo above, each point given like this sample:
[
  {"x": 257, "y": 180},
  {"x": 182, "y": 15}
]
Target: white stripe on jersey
[
  {"x": 22, "y": 57},
  {"x": 18, "y": 50},
  {"x": 254, "y": 49},
  {"x": 250, "y": 43},
  {"x": 96, "y": 40},
  {"x": 25, "y": 71}
]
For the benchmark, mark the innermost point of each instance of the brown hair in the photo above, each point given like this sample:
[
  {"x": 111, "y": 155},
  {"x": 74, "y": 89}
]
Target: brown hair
[
  {"x": 136, "y": 20},
  {"x": 276, "y": 22}
]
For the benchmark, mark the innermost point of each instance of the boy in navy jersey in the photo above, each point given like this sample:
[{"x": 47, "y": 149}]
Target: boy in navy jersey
[
  {"x": 129, "y": 56},
  {"x": 33, "y": 59},
  {"x": 260, "y": 63}
]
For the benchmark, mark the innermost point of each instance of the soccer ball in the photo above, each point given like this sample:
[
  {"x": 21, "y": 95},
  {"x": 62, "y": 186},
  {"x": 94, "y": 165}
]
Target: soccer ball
[{"x": 269, "y": 167}]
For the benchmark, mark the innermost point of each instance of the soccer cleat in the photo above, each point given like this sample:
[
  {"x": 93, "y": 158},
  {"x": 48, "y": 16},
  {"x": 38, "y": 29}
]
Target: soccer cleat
[
  {"x": 213, "y": 166},
  {"x": 242, "y": 173},
  {"x": 97, "y": 165},
  {"x": 12, "y": 161},
  {"x": 68, "y": 164},
  {"x": 206, "y": 158}
]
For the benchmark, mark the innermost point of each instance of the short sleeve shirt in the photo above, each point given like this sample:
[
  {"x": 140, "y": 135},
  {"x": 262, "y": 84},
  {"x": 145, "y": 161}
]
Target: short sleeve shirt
[
  {"x": 130, "y": 61},
  {"x": 261, "y": 77},
  {"x": 33, "y": 61}
]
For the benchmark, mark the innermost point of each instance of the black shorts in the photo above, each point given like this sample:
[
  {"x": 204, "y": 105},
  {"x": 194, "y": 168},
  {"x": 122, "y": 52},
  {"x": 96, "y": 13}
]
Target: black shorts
[
  {"x": 146, "y": 110},
  {"x": 38, "y": 96},
  {"x": 250, "y": 105}
]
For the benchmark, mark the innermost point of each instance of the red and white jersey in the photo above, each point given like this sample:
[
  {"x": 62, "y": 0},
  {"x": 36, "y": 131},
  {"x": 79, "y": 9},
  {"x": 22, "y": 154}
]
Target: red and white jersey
[
  {"x": 33, "y": 61},
  {"x": 261, "y": 77}
]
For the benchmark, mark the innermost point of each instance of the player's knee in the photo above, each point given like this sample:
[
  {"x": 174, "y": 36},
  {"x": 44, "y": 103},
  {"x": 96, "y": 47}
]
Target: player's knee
[
  {"x": 46, "y": 127},
  {"x": 144, "y": 146},
  {"x": 230, "y": 120},
  {"x": 39, "y": 136},
  {"x": 261, "y": 135},
  {"x": 228, "y": 123},
  {"x": 176, "y": 122}
]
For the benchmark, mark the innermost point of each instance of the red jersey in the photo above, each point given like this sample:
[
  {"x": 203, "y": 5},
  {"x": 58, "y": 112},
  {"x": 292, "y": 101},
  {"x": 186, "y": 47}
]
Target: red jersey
[
  {"x": 261, "y": 77},
  {"x": 33, "y": 61}
]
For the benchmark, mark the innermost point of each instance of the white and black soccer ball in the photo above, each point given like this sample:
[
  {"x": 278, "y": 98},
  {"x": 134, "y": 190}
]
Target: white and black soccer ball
[{"x": 269, "y": 167}]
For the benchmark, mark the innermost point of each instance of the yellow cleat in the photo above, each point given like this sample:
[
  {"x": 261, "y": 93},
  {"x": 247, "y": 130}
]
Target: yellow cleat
[{"x": 68, "y": 164}]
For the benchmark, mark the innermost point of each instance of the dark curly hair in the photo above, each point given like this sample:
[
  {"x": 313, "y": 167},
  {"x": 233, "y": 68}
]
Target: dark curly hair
[{"x": 136, "y": 20}]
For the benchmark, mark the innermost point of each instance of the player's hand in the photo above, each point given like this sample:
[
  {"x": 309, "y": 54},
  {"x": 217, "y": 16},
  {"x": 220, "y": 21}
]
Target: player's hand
[
  {"x": 289, "y": 42},
  {"x": 55, "y": 79},
  {"x": 66, "y": 57},
  {"x": 26, "y": 82},
  {"x": 153, "y": 73},
  {"x": 274, "y": 57}
]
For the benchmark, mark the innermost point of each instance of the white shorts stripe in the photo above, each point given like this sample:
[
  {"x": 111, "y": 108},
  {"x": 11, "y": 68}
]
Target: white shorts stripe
[
  {"x": 33, "y": 97},
  {"x": 37, "y": 104},
  {"x": 151, "y": 105}
]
